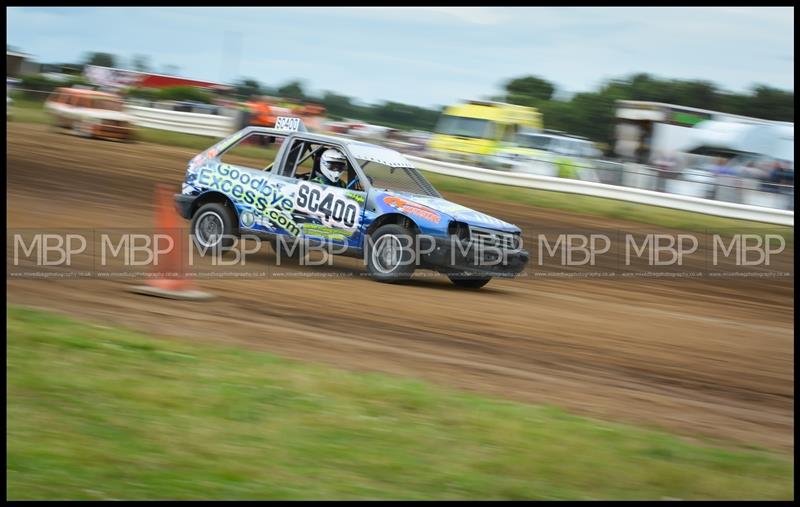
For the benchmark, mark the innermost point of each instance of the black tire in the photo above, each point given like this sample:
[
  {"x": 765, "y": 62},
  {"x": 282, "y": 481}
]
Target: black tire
[
  {"x": 396, "y": 264},
  {"x": 471, "y": 282},
  {"x": 289, "y": 249},
  {"x": 210, "y": 219}
]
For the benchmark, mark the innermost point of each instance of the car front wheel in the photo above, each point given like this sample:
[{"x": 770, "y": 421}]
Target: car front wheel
[{"x": 390, "y": 254}]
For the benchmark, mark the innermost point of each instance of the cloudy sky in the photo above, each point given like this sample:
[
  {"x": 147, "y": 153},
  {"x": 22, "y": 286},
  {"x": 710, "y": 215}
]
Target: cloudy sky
[{"x": 425, "y": 55}]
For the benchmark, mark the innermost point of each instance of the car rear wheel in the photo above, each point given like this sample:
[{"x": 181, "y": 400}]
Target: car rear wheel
[
  {"x": 213, "y": 228},
  {"x": 469, "y": 282},
  {"x": 390, "y": 254}
]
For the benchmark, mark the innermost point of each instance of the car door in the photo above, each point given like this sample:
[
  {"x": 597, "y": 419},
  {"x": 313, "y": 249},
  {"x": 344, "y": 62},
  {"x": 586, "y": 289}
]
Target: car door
[
  {"x": 320, "y": 211},
  {"x": 241, "y": 169}
]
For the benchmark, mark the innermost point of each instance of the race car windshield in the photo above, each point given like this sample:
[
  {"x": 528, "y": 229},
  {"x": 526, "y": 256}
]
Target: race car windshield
[
  {"x": 463, "y": 127},
  {"x": 400, "y": 179},
  {"x": 533, "y": 141}
]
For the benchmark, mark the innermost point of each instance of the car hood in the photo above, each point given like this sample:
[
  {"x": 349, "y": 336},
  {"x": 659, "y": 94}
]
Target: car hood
[{"x": 458, "y": 212}]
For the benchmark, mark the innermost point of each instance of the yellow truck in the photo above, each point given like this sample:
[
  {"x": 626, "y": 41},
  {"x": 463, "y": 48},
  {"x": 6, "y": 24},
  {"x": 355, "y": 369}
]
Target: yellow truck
[{"x": 473, "y": 131}]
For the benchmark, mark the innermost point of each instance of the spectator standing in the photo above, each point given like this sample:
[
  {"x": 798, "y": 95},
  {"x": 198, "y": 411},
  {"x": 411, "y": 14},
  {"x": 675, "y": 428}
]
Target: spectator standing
[
  {"x": 665, "y": 164},
  {"x": 784, "y": 179}
]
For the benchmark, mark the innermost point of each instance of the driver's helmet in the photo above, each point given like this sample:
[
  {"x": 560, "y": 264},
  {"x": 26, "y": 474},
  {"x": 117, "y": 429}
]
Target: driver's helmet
[{"x": 333, "y": 164}]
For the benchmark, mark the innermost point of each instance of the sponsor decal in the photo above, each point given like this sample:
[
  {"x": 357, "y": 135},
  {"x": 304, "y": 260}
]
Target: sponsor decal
[
  {"x": 463, "y": 213},
  {"x": 250, "y": 190},
  {"x": 245, "y": 187},
  {"x": 280, "y": 219},
  {"x": 329, "y": 204},
  {"x": 413, "y": 209},
  {"x": 326, "y": 232},
  {"x": 359, "y": 198},
  {"x": 247, "y": 218}
]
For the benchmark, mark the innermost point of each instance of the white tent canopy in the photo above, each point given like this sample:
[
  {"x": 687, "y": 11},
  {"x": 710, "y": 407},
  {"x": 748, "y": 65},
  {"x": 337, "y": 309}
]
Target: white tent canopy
[{"x": 776, "y": 140}]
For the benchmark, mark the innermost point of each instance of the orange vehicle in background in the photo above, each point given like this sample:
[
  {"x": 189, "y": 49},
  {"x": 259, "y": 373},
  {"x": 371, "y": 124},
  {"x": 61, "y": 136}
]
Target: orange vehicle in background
[
  {"x": 90, "y": 113},
  {"x": 263, "y": 112}
]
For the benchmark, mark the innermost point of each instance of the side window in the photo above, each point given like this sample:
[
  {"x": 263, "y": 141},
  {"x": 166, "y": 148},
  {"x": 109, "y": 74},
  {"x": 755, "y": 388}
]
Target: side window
[
  {"x": 304, "y": 159},
  {"x": 493, "y": 131},
  {"x": 256, "y": 151},
  {"x": 510, "y": 132}
]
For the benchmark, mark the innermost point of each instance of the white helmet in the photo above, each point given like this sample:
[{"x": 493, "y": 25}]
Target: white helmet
[{"x": 333, "y": 164}]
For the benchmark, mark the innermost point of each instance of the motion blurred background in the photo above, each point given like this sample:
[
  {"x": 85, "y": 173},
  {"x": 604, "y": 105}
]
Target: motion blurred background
[
  {"x": 538, "y": 387},
  {"x": 666, "y": 102}
]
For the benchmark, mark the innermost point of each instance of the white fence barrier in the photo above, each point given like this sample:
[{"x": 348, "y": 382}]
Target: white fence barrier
[
  {"x": 637, "y": 195},
  {"x": 187, "y": 123}
]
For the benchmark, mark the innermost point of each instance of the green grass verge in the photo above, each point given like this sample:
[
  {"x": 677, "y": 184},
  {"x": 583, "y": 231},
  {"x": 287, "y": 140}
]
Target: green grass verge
[
  {"x": 31, "y": 111},
  {"x": 27, "y": 111},
  {"x": 98, "y": 412},
  {"x": 611, "y": 208}
]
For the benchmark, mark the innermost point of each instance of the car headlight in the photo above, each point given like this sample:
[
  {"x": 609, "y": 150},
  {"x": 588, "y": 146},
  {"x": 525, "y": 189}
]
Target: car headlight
[{"x": 458, "y": 229}]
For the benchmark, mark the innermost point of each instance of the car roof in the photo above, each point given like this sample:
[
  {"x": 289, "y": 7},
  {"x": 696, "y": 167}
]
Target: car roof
[{"x": 374, "y": 152}]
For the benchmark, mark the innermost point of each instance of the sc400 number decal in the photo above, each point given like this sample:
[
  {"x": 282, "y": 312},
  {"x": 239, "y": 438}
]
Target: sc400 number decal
[
  {"x": 287, "y": 123},
  {"x": 333, "y": 208}
]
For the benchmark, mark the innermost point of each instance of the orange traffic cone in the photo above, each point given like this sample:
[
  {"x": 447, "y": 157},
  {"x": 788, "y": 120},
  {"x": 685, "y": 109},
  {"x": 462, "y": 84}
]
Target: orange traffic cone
[{"x": 176, "y": 287}]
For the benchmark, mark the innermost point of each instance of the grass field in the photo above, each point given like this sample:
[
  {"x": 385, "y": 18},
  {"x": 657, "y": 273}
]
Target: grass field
[
  {"x": 26, "y": 110},
  {"x": 95, "y": 412},
  {"x": 588, "y": 205}
]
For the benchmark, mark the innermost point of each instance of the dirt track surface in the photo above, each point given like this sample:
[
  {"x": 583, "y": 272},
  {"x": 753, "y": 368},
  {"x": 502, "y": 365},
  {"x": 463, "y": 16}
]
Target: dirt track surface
[{"x": 699, "y": 357}]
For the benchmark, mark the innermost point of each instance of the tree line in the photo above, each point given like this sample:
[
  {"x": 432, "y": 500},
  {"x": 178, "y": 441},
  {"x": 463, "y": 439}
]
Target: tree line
[
  {"x": 588, "y": 114},
  {"x": 592, "y": 114}
]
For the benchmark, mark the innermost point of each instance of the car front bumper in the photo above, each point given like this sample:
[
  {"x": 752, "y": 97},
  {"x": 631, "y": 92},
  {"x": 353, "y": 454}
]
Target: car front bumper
[
  {"x": 112, "y": 131},
  {"x": 183, "y": 204},
  {"x": 448, "y": 256}
]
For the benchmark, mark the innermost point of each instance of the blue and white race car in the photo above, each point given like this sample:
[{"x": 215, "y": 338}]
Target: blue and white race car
[{"x": 264, "y": 181}]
